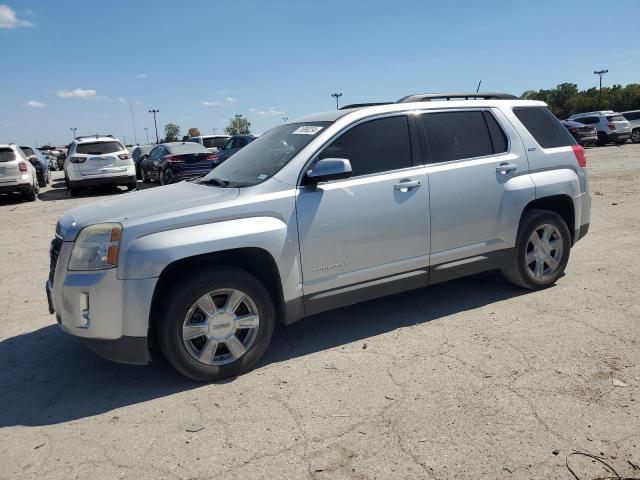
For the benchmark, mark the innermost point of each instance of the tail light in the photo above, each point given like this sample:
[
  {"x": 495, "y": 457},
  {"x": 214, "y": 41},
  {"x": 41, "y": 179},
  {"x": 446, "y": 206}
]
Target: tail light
[
  {"x": 611, "y": 126},
  {"x": 213, "y": 157},
  {"x": 22, "y": 166},
  {"x": 581, "y": 156},
  {"x": 77, "y": 159},
  {"x": 573, "y": 130},
  {"x": 124, "y": 156},
  {"x": 174, "y": 158}
]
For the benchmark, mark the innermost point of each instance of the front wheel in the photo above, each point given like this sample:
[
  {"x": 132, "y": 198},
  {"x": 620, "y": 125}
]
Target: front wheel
[
  {"x": 635, "y": 136},
  {"x": 541, "y": 252},
  {"x": 216, "y": 324}
]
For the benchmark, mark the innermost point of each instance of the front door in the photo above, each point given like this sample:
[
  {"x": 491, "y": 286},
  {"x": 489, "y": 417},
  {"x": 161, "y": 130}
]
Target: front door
[{"x": 368, "y": 233}]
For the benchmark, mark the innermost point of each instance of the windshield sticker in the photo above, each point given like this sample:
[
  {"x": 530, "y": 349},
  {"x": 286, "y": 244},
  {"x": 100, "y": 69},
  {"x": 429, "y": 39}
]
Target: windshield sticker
[
  {"x": 307, "y": 130},
  {"x": 262, "y": 177}
]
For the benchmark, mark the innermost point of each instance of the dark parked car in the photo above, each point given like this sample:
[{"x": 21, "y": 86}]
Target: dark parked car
[
  {"x": 172, "y": 162},
  {"x": 139, "y": 153},
  {"x": 40, "y": 163},
  {"x": 584, "y": 134},
  {"x": 234, "y": 144}
]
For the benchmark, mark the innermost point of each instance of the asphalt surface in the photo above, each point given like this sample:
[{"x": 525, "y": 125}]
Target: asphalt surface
[{"x": 472, "y": 379}]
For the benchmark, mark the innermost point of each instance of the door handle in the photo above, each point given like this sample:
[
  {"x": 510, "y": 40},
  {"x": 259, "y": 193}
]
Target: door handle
[
  {"x": 407, "y": 185},
  {"x": 505, "y": 168}
]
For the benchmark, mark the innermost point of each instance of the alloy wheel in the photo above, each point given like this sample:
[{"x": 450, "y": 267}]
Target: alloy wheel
[
  {"x": 220, "y": 327},
  {"x": 543, "y": 254},
  {"x": 635, "y": 136}
]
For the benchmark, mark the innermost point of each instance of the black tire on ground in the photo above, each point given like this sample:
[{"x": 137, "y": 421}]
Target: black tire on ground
[
  {"x": 132, "y": 186},
  {"x": 516, "y": 269},
  {"x": 73, "y": 190},
  {"x": 602, "y": 139},
  {"x": 635, "y": 135},
  {"x": 167, "y": 177},
  {"x": 32, "y": 194},
  {"x": 185, "y": 293},
  {"x": 144, "y": 177},
  {"x": 621, "y": 142},
  {"x": 42, "y": 183},
  {"x": 138, "y": 173}
]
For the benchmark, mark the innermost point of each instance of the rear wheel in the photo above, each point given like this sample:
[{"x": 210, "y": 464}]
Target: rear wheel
[
  {"x": 541, "y": 252},
  {"x": 143, "y": 176},
  {"x": 602, "y": 139},
  {"x": 216, "y": 324},
  {"x": 74, "y": 191},
  {"x": 132, "y": 186},
  {"x": 635, "y": 136},
  {"x": 167, "y": 177},
  {"x": 32, "y": 194}
]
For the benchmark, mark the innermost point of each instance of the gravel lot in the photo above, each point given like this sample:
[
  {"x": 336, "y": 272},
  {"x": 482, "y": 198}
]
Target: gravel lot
[{"x": 470, "y": 379}]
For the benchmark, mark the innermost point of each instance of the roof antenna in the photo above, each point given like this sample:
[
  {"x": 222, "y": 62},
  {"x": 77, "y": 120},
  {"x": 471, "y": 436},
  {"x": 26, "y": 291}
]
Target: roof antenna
[{"x": 478, "y": 89}]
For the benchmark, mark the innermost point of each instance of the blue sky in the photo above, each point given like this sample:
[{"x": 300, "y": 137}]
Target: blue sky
[{"x": 86, "y": 64}]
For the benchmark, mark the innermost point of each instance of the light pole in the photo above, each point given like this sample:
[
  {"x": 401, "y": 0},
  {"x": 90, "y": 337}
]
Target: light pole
[
  {"x": 146, "y": 132},
  {"x": 155, "y": 123},
  {"x": 284, "y": 119},
  {"x": 600, "y": 73},
  {"x": 73, "y": 129},
  {"x": 214, "y": 130},
  {"x": 336, "y": 96}
]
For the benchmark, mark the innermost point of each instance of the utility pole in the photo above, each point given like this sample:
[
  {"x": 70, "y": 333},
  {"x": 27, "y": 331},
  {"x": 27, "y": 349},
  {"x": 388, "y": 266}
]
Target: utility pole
[
  {"x": 600, "y": 73},
  {"x": 336, "y": 96},
  {"x": 73, "y": 129},
  {"x": 155, "y": 123},
  {"x": 284, "y": 119},
  {"x": 214, "y": 130},
  {"x": 479, "y": 83},
  {"x": 133, "y": 122},
  {"x": 146, "y": 132}
]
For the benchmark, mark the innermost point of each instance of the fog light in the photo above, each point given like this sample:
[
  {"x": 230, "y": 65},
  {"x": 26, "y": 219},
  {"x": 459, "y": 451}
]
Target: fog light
[{"x": 84, "y": 305}]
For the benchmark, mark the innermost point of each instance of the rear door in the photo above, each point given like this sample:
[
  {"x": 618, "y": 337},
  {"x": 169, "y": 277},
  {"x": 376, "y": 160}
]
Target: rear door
[{"x": 472, "y": 166}]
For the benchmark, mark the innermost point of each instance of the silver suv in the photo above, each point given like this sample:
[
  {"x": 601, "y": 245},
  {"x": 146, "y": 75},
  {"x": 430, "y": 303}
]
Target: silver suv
[
  {"x": 328, "y": 210},
  {"x": 17, "y": 173},
  {"x": 611, "y": 126}
]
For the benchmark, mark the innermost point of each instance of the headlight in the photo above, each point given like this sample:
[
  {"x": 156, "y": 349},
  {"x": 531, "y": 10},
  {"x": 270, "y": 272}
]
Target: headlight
[{"x": 96, "y": 247}]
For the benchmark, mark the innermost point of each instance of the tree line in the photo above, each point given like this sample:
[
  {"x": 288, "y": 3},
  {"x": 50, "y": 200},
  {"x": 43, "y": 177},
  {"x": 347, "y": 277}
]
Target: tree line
[
  {"x": 566, "y": 100},
  {"x": 238, "y": 125}
]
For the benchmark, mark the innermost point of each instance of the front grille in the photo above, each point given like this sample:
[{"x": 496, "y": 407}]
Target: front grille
[{"x": 54, "y": 251}]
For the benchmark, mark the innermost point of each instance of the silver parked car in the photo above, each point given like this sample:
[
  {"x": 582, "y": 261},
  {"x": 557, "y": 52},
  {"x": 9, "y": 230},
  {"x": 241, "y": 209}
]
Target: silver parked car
[
  {"x": 321, "y": 212},
  {"x": 18, "y": 173}
]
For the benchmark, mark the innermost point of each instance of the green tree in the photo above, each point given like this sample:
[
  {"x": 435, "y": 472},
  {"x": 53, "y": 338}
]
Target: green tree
[
  {"x": 171, "y": 132},
  {"x": 238, "y": 125},
  {"x": 194, "y": 132}
]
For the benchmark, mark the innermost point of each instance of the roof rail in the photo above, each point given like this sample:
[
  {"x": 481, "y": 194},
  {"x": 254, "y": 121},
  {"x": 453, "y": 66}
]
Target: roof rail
[
  {"x": 362, "y": 105},
  {"x": 97, "y": 135},
  {"x": 427, "y": 97}
]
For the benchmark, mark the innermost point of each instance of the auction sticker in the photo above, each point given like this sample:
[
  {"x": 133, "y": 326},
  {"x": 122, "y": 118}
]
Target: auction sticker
[{"x": 307, "y": 130}]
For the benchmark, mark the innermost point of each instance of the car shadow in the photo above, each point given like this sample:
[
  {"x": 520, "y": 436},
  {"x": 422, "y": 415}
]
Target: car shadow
[
  {"x": 59, "y": 191},
  {"x": 49, "y": 377}
]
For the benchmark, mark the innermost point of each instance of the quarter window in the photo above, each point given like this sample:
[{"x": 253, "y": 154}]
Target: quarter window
[
  {"x": 544, "y": 127},
  {"x": 375, "y": 146},
  {"x": 458, "y": 135}
]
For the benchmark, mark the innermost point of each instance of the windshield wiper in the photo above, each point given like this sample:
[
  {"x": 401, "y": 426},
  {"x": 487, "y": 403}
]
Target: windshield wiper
[{"x": 215, "y": 181}]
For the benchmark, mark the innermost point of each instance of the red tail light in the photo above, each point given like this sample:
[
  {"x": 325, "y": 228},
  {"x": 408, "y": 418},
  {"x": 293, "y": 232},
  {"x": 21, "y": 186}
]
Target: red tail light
[
  {"x": 611, "y": 126},
  {"x": 174, "y": 158},
  {"x": 581, "y": 156},
  {"x": 573, "y": 130},
  {"x": 124, "y": 156},
  {"x": 22, "y": 166},
  {"x": 213, "y": 157}
]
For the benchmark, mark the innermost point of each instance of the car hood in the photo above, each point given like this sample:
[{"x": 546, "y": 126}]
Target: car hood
[{"x": 138, "y": 207}]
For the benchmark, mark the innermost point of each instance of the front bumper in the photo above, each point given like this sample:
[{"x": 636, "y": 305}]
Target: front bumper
[{"x": 110, "y": 314}]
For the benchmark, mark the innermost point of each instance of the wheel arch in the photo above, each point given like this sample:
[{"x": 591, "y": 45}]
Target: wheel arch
[{"x": 560, "y": 204}]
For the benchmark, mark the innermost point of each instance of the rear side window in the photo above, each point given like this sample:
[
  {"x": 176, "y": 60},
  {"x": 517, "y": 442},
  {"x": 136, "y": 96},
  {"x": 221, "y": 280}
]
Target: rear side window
[
  {"x": 376, "y": 146},
  {"x": 544, "y": 127},
  {"x": 458, "y": 135},
  {"x": 99, "y": 148},
  {"x": 7, "y": 155}
]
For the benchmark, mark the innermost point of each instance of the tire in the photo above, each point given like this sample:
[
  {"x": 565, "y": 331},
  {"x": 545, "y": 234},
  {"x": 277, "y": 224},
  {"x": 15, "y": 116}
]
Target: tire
[
  {"x": 602, "y": 139},
  {"x": 73, "y": 190},
  {"x": 144, "y": 177},
  {"x": 520, "y": 272},
  {"x": 42, "y": 182},
  {"x": 32, "y": 194},
  {"x": 132, "y": 186},
  {"x": 635, "y": 135},
  {"x": 167, "y": 177},
  {"x": 138, "y": 173},
  {"x": 180, "y": 309}
]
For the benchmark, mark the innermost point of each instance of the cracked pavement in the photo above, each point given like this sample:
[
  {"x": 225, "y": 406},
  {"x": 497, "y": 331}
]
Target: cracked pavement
[{"x": 472, "y": 379}]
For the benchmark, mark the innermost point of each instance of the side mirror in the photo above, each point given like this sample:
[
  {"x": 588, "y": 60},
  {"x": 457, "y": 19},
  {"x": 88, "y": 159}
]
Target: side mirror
[{"x": 329, "y": 169}]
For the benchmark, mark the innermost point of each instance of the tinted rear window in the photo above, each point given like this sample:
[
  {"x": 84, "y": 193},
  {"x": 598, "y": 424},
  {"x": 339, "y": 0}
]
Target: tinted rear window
[
  {"x": 27, "y": 151},
  {"x": 544, "y": 127},
  {"x": 188, "y": 147},
  {"x": 632, "y": 115},
  {"x": 7, "y": 155},
  {"x": 99, "y": 148},
  {"x": 458, "y": 135},
  {"x": 214, "y": 142},
  {"x": 616, "y": 118}
]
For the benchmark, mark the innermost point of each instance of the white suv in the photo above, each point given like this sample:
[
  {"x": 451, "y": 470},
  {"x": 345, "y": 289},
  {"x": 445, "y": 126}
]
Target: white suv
[
  {"x": 611, "y": 126},
  {"x": 17, "y": 174},
  {"x": 98, "y": 160}
]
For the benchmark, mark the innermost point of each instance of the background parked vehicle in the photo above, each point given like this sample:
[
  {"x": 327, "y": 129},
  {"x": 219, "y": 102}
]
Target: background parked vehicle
[
  {"x": 51, "y": 159},
  {"x": 17, "y": 173},
  {"x": 40, "y": 163},
  {"x": 585, "y": 135},
  {"x": 233, "y": 144},
  {"x": 60, "y": 158},
  {"x": 211, "y": 142},
  {"x": 611, "y": 126},
  {"x": 98, "y": 160},
  {"x": 172, "y": 162},
  {"x": 138, "y": 154},
  {"x": 633, "y": 117}
]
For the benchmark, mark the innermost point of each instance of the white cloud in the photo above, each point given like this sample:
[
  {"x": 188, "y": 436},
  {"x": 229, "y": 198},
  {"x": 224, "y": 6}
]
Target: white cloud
[
  {"x": 9, "y": 19},
  {"x": 269, "y": 112},
  {"x": 34, "y": 104},
  {"x": 141, "y": 75},
  {"x": 122, "y": 100},
  {"x": 77, "y": 93},
  {"x": 137, "y": 103},
  {"x": 253, "y": 109},
  {"x": 211, "y": 104},
  {"x": 230, "y": 99},
  {"x": 217, "y": 103}
]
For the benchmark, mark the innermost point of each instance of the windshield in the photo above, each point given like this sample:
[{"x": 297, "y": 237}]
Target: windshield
[
  {"x": 188, "y": 147},
  {"x": 265, "y": 156},
  {"x": 99, "y": 148}
]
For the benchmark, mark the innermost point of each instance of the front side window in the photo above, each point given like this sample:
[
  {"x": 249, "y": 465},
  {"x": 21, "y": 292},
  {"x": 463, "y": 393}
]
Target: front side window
[
  {"x": 376, "y": 146},
  {"x": 458, "y": 135},
  {"x": 99, "y": 148}
]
